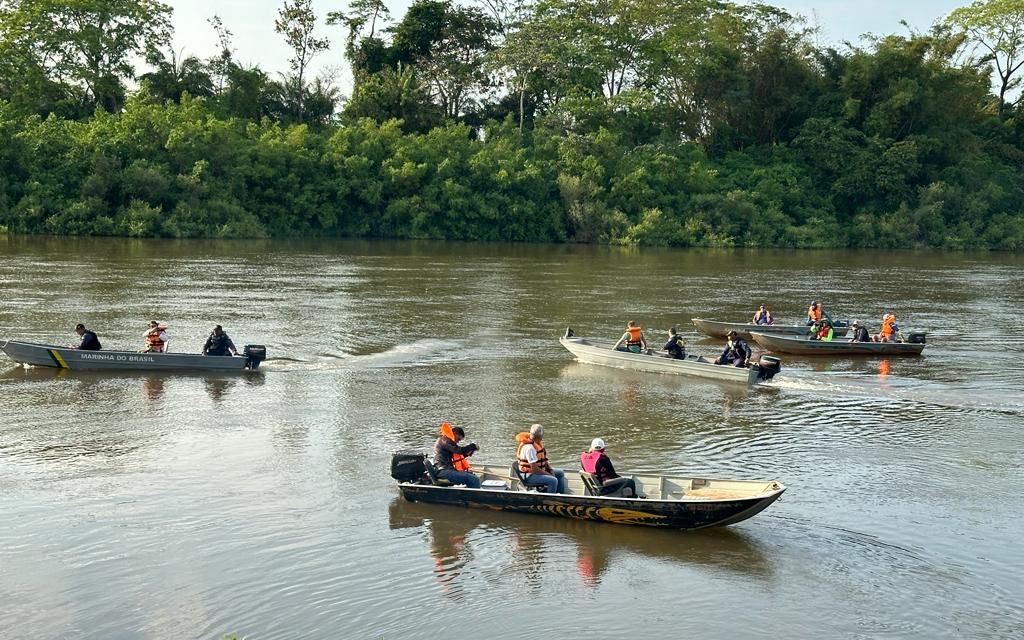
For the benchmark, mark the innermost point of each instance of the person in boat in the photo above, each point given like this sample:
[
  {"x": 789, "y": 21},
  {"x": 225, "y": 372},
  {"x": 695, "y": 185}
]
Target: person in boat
[
  {"x": 763, "y": 316},
  {"x": 860, "y": 334},
  {"x": 87, "y": 339},
  {"x": 632, "y": 340},
  {"x": 675, "y": 347},
  {"x": 888, "y": 331},
  {"x": 736, "y": 352},
  {"x": 824, "y": 332},
  {"x": 450, "y": 458},
  {"x": 595, "y": 461},
  {"x": 155, "y": 339},
  {"x": 814, "y": 313},
  {"x": 532, "y": 458},
  {"x": 219, "y": 344}
]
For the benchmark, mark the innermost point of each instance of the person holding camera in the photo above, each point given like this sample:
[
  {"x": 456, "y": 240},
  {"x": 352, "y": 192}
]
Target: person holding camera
[{"x": 450, "y": 458}]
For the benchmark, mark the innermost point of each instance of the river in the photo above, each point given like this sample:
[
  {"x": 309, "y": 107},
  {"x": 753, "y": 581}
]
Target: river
[{"x": 147, "y": 506}]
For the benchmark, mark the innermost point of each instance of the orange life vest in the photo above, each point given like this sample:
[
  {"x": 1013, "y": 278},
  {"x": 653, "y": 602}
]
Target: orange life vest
[
  {"x": 634, "y": 335},
  {"x": 459, "y": 461},
  {"x": 814, "y": 313},
  {"x": 887, "y": 324},
  {"x": 153, "y": 340},
  {"x": 523, "y": 439}
]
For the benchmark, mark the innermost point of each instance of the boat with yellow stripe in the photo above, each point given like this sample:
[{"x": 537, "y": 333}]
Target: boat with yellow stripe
[
  {"x": 48, "y": 355},
  {"x": 668, "y": 502}
]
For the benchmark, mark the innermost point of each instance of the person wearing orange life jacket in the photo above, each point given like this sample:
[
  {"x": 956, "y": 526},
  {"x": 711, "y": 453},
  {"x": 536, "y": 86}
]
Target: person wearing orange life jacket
[
  {"x": 814, "y": 313},
  {"x": 632, "y": 340},
  {"x": 597, "y": 462},
  {"x": 532, "y": 458},
  {"x": 763, "y": 316},
  {"x": 888, "y": 330},
  {"x": 155, "y": 339},
  {"x": 450, "y": 458}
]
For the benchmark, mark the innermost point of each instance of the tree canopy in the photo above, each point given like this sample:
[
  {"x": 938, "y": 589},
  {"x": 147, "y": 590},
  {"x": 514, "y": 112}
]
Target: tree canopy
[{"x": 647, "y": 122}]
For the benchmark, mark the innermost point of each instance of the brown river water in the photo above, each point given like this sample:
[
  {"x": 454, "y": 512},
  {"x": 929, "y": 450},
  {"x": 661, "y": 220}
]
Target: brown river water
[{"x": 187, "y": 506}]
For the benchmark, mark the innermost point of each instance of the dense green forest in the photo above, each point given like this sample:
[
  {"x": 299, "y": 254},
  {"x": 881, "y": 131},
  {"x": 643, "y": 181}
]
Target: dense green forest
[{"x": 648, "y": 122}]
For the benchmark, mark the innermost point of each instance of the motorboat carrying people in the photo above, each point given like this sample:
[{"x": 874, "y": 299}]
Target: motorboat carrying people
[
  {"x": 46, "y": 355},
  {"x": 603, "y": 352},
  {"x": 665, "y": 501}
]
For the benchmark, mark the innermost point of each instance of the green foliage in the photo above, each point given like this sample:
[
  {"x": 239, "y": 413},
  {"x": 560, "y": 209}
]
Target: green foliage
[{"x": 635, "y": 122}]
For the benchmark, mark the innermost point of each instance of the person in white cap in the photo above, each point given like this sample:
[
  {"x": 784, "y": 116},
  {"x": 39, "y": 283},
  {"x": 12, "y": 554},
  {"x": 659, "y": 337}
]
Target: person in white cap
[
  {"x": 860, "y": 332},
  {"x": 596, "y": 462}
]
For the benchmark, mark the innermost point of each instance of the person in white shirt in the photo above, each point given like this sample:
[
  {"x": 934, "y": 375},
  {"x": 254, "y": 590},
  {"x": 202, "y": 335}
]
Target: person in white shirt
[
  {"x": 533, "y": 462},
  {"x": 155, "y": 338}
]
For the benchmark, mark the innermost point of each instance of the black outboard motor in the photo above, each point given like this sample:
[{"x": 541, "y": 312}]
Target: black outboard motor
[
  {"x": 769, "y": 366},
  {"x": 916, "y": 337},
  {"x": 254, "y": 355},
  {"x": 569, "y": 332},
  {"x": 408, "y": 466}
]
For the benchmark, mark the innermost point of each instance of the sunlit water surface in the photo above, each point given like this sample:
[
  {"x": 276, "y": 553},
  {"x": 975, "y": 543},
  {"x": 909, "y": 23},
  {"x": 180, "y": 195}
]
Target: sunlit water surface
[{"x": 148, "y": 506}]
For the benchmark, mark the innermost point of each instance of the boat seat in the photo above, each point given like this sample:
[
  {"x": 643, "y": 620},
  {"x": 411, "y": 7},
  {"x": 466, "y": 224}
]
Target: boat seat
[
  {"x": 514, "y": 472},
  {"x": 590, "y": 483},
  {"x": 432, "y": 474}
]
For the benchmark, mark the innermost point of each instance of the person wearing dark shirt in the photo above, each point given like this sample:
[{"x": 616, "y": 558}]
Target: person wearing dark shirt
[
  {"x": 596, "y": 462},
  {"x": 675, "y": 347},
  {"x": 860, "y": 334},
  {"x": 219, "y": 344},
  {"x": 89, "y": 341},
  {"x": 444, "y": 447},
  {"x": 736, "y": 351}
]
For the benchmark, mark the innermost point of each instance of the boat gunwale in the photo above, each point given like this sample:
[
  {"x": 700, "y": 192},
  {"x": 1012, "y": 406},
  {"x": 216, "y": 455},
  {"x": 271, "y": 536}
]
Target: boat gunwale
[
  {"x": 693, "y": 500},
  {"x": 836, "y": 346}
]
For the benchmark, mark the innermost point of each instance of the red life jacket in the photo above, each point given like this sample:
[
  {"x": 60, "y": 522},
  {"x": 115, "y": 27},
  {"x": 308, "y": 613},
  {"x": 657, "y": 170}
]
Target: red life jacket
[{"x": 459, "y": 461}]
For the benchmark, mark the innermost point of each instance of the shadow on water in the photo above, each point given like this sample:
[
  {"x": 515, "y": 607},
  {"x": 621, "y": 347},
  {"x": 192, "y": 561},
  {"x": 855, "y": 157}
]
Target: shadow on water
[{"x": 456, "y": 534}]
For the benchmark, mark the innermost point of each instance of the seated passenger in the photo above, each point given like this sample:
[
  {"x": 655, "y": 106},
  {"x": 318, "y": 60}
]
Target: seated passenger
[
  {"x": 632, "y": 340},
  {"x": 860, "y": 334},
  {"x": 736, "y": 351},
  {"x": 597, "y": 462},
  {"x": 88, "y": 340},
  {"x": 675, "y": 347},
  {"x": 824, "y": 332},
  {"x": 219, "y": 344},
  {"x": 155, "y": 338},
  {"x": 887, "y": 332},
  {"x": 763, "y": 316},
  {"x": 450, "y": 458},
  {"x": 532, "y": 458}
]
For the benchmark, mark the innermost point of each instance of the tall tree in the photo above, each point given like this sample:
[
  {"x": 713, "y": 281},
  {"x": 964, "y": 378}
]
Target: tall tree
[
  {"x": 220, "y": 64},
  {"x": 361, "y": 15},
  {"x": 996, "y": 29},
  {"x": 92, "y": 43},
  {"x": 296, "y": 22}
]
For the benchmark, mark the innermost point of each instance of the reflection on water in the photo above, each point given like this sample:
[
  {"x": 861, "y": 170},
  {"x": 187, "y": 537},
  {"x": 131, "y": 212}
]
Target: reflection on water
[{"x": 454, "y": 533}]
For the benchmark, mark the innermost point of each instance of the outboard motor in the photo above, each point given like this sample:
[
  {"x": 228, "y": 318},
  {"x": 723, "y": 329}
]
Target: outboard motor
[
  {"x": 254, "y": 355},
  {"x": 769, "y": 366},
  {"x": 916, "y": 337},
  {"x": 408, "y": 466},
  {"x": 569, "y": 332}
]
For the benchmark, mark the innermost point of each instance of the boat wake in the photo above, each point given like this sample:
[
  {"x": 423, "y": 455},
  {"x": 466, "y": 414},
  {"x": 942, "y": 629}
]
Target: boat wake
[
  {"x": 907, "y": 390},
  {"x": 415, "y": 354}
]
